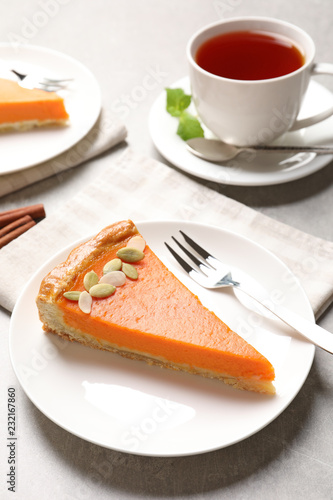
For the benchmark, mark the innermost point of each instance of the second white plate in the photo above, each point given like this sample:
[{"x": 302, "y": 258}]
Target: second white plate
[
  {"x": 261, "y": 170},
  {"x": 20, "y": 150},
  {"x": 130, "y": 406}
]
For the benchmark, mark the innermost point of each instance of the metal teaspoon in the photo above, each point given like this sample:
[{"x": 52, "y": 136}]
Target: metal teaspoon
[{"x": 216, "y": 151}]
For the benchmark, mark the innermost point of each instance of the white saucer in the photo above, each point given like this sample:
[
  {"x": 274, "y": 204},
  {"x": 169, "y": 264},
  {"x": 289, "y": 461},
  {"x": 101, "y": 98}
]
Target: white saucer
[
  {"x": 133, "y": 407},
  {"x": 247, "y": 171},
  {"x": 20, "y": 150}
]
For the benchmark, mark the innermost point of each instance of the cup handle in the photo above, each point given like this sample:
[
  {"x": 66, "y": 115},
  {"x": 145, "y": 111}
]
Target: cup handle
[{"x": 317, "y": 69}]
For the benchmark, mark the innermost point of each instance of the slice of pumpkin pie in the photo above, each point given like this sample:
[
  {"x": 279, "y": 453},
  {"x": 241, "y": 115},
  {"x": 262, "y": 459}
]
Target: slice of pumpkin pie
[
  {"x": 22, "y": 109},
  {"x": 113, "y": 293}
]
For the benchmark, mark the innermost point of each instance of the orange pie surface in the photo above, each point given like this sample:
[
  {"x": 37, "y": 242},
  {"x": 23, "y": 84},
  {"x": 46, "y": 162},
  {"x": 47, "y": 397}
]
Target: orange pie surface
[
  {"x": 155, "y": 317},
  {"x": 25, "y": 108}
]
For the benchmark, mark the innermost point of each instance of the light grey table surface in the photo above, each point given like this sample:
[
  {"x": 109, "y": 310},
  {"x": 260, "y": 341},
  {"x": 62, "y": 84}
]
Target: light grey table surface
[{"x": 120, "y": 41}]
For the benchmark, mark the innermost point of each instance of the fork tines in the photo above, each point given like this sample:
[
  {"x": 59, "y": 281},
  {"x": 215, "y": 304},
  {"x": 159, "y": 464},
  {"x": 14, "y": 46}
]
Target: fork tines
[
  {"x": 193, "y": 258},
  {"x": 201, "y": 251},
  {"x": 179, "y": 259},
  {"x": 203, "y": 266},
  {"x": 47, "y": 84}
]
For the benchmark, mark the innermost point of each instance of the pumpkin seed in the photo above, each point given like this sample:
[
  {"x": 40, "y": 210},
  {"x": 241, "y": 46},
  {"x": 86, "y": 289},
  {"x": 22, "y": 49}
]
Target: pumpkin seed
[
  {"x": 130, "y": 271},
  {"x": 129, "y": 254},
  {"x": 102, "y": 290},
  {"x": 137, "y": 242},
  {"x": 112, "y": 265},
  {"x": 115, "y": 278},
  {"x": 85, "y": 302},
  {"x": 72, "y": 295},
  {"x": 90, "y": 280}
]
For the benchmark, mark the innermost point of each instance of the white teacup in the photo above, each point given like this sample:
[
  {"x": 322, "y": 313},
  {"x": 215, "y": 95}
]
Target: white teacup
[{"x": 249, "y": 112}]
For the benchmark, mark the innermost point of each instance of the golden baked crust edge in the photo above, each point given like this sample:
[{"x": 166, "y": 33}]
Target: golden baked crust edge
[{"x": 79, "y": 258}]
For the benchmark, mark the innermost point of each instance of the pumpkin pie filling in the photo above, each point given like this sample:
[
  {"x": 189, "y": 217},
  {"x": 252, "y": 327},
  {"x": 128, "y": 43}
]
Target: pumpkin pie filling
[
  {"x": 155, "y": 317},
  {"x": 22, "y": 108}
]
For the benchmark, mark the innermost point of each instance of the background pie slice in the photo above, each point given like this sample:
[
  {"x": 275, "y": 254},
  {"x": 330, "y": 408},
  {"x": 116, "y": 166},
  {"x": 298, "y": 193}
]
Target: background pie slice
[{"x": 22, "y": 108}]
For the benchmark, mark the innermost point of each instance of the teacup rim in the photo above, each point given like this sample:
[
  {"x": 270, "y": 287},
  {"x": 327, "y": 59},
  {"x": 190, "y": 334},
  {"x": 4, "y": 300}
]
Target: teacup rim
[{"x": 210, "y": 26}]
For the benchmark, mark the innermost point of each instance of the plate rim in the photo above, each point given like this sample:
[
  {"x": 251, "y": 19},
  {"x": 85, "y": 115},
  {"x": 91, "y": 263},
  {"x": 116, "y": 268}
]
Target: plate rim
[
  {"x": 97, "y": 96},
  {"x": 49, "y": 264},
  {"x": 317, "y": 163}
]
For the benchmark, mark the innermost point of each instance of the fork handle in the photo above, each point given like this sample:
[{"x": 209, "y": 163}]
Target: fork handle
[{"x": 314, "y": 333}]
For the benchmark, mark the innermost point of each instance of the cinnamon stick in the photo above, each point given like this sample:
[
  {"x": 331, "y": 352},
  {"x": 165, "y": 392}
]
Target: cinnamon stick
[
  {"x": 35, "y": 211},
  {"x": 15, "y": 233},
  {"x": 14, "y": 225}
]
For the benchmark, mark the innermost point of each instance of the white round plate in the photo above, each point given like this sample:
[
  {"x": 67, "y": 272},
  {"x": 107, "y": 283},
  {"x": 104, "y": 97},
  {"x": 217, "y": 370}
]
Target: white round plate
[
  {"x": 252, "y": 170},
  {"x": 20, "y": 150},
  {"x": 133, "y": 407}
]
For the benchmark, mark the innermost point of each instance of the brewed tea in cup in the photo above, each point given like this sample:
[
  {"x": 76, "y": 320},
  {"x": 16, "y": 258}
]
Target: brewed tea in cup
[
  {"x": 249, "y": 76},
  {"x": 249, "y": 55}
]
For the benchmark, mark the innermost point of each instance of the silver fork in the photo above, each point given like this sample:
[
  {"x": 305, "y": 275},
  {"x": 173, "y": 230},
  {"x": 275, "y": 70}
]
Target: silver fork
[
  {"x": 212, "y": 273},
  {"x": 47, "y": 84}
]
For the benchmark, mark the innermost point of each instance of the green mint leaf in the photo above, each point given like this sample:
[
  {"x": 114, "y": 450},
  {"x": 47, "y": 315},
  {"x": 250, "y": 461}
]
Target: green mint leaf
[
  {"x": 177, "y": 101},
  {"x": 189, "y": 127}
]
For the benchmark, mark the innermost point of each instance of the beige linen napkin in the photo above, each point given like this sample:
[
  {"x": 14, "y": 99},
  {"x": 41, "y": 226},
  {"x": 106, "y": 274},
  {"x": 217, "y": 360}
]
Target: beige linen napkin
[
  {"x": 140, "y": 188},
  {"x": 105, "y": 134}
]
